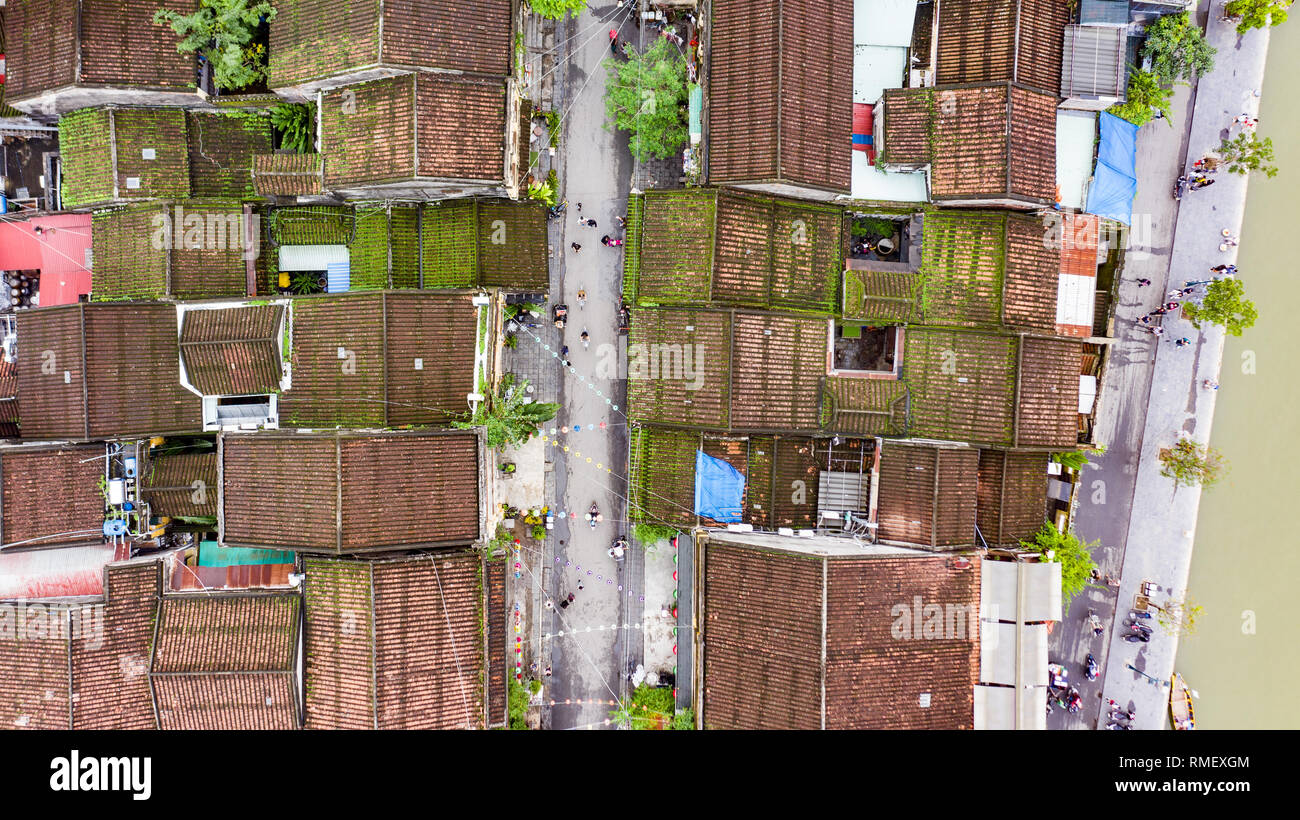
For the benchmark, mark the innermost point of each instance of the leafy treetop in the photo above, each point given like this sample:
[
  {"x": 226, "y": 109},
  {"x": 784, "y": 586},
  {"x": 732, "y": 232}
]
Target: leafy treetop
[
  {"x": 1177, "y": 49},
  {"x": 647, "y": 97},
  {"x": 221, "y": 31},
  {"x": 1224, "y": 304}
]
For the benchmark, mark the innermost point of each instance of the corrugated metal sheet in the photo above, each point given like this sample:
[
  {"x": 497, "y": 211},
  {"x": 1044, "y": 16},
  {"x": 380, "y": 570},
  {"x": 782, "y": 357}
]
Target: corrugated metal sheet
[
  {"x": 1104, "y": 12},
  {"x": 1093, "y": 62},
  {"x": 311, "y": 257},
  {"x": 998, "y": 596},
  {"x": 54, "y": 573},
  {"x": 843, "y": 491}
]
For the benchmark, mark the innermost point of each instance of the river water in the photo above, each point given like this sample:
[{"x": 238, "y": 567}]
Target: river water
[{"x": 1244, "y": 658}]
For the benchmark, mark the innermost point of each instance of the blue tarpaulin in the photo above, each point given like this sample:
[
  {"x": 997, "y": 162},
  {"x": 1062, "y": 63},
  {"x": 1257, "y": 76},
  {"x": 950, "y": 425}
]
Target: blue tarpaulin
[
  {"x": 719, "y": 488},
  {"x": 1114, "y": 182}
]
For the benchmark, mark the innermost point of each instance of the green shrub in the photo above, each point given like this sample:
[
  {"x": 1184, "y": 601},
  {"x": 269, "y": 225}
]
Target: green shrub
[{"x": 1074, "y": 556}]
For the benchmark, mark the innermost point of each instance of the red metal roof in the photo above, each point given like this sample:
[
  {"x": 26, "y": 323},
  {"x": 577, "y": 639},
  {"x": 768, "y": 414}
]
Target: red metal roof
[
  {"x": 54, "y": 573},
  {"x": 58, "y": 252}
]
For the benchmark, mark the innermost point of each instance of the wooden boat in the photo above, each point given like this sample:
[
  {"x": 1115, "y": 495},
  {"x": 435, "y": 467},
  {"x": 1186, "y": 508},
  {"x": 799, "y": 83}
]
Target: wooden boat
[{"x": 1180, "y": 703}]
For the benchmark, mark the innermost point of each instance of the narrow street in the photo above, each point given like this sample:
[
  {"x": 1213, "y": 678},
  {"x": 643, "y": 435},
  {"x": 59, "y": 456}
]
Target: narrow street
[
  {"x": 590, "y": 661},
  {"x": 1152, "y": 392}
]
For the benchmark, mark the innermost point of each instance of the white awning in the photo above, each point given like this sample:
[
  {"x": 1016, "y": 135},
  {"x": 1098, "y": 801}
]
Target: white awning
[
  {"x": 1087, "y": 393},
  {"x": 1042, "y": 590},
  {"x": 998, "y": 653},
  {"x": 1076, "y": 136},
  {"x": 995, "y": 708},
  {"x": 869, "y": 182},
  {"x": 876, "y": 68},
  {"x": 883, "y": 22},
  {"x": 1075, "y": 299}
]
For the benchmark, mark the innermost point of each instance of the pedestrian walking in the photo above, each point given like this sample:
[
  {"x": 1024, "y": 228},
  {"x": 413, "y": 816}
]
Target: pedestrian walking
[
  {"x": 604, "y": 240},
  {"x": 1146, "y": 320},
  {"x": 565, "y": 603},
  {"x": 576, "y": 247},
  {"x": 1157, "y": 330},
  {"x": 1173, "y": 294},
  {"x": 622, "y": 223},
  {"x": 1172, "y": 306},
  {"x": 580, "y": 585},
  {"x": 550, "y": 605},
  {"x": 579, "y": 207},
  {"x": 1210, "y": 384},
  {"x": 590, "y": 223},
  {"x": 1183, "y": 342},
  {"x": 548, "y": 671},
  {"x": 1158, "y": 312},
  {"x": 1143, "y": 282},
  {"x": 613, "y": 40},
  {"x": 1188, "y": 291}
]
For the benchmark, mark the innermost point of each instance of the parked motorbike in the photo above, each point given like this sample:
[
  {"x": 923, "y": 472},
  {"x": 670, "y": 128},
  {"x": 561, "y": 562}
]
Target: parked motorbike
[
  {"x": 1075, "y": 702},
  {"x": 555, "y": 210},
  {"x": 1120, "y": 726},
  {"x": 1180, "y": 187},
  {"x": 1138, "y": 637},
  {"x": 1090, "y": 667},
  {"x": 1133, "y": 613},
  {"x": 618, "y": 549},
  {"x": 586, "y": 340},
  {"x": 624, "y": 318},
  {"x": 1134, "y": 626}
]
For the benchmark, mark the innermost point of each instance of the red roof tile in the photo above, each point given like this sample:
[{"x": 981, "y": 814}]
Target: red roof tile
[{"x": 50, "y": 492}]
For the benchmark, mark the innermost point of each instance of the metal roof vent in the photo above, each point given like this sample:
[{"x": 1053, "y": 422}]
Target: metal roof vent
[
  {"x": 925, "y": 700},
  {"x": 148, "y": 153},
  {"x": 132, "y": 183}
]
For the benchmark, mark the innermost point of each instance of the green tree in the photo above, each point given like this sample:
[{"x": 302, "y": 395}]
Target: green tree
[
  {"x": 1224, "y": 304},
  {"x": 506, "y": 416},
  {"x": 1245, "y": 153},
  {"x": 648, "y": 533},
  {"x": 1190, "y": 464},
  {"x": 1177, "y": 49},
  {"x": 1179, "y": 617},
  {"x": 1144, "y": 94},
  {"x": 296, "y": 123},
  {"x": 1074, "y": 556},
  {"x": 222, "y": 30},
  {"x": 1257, "y": 13},
  {"x": 647, "y": 97},
  {"x": 555, "y": 9}
]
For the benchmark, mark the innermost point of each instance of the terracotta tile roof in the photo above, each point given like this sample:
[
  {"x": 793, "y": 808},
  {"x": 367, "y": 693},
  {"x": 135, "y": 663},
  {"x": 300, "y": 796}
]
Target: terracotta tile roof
[
  {"x": 35, "y": 672},
  {"x": 662, "y": 474},
  {"x": 1012, "y": 495},
  {"x": 970, "y": 137},
  {"x": 762, "y": 635},
  {"x": 906, "y": 138},
  {"x": 927, "y": 495},
  {"x": 659, "y": 384},
  {"x": 119, "y": 46},
  {"x": 986, "y": 268},
  {"x": 1079, "y": 244},
  {"x": 763, "y": 631},
  {"x": 52, "y": 491},
  {"x": 233, "y": 351},
  {"x": 875, "y": 680},
  {"x": 131, "y": 263},
  {"x": 169, "y": 484},
  {"x": 110, "y": 683},
  {"x": 1049, "y": 393},
  {"x": 1020, "y": 41},
  {"x": 500, "y": 668},
  {"x": 887, "y": 296},
  {"x": 9, "y": 414},
  {"x": 724, "y": 247},
  {"x": 780, "y": 92},
  {"x": 87, "y": 139},
  {"x": 460, "y": 127},
  {"x": 222, "y": 148},
  {"x": 313, "y": 39},
  {"x": 409, "y": 359},
  {"x": 396, "y": 491},
  {"x": 226, "y": 702},
  {"x": 961, "y": 385},
  {"x": 867, "y": 406},
  {"x": 414, "y": 126},
  {"x": 127, "y": 384},
  {"x": 219, "y": 659},
  {"x": 779, "y": 363},
  {"x": 759, "y": 371},
  {"x": 395, "y": 644},
  {"x": 287, "y": 174}
]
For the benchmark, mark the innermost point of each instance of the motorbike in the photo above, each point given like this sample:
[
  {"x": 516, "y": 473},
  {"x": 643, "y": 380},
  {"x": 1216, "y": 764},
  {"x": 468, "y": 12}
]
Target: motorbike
[
  {"x": 606, "y": 240},
  {"x": 1090, "y": 667},
  {"x": 582, "y": 299},
  {"x": 1119, "y": 726},
  {"x": 1094, "y": 623},
  {"x": 593, "y": 515},
  {"x": 1075, "y": 702},
  {"x": 624, "y": 318},
  {"x": 555, "y": 210},
  {"x": 1180, "y": 187},
  {"x": 1138, "y": 637},
  {"x": 586, "y": 340},
  {"x": 561, "y": 315},
  {"x": 1133, "y": 613},
  {"x": 1134, "y": 626}
]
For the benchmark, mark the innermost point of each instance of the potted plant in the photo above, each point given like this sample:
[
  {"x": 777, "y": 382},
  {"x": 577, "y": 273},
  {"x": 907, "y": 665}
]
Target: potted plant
[
  {"x": 538, "y": 532},
  {"x": 507, "y": 469}
]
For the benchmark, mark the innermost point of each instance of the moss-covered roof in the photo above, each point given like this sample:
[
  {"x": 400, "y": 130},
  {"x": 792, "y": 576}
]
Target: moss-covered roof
[{"x": 734, "y": 249}]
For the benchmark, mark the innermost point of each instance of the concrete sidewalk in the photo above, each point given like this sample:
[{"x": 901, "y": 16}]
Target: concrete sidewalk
[{"x": 1158, "y": 543}]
